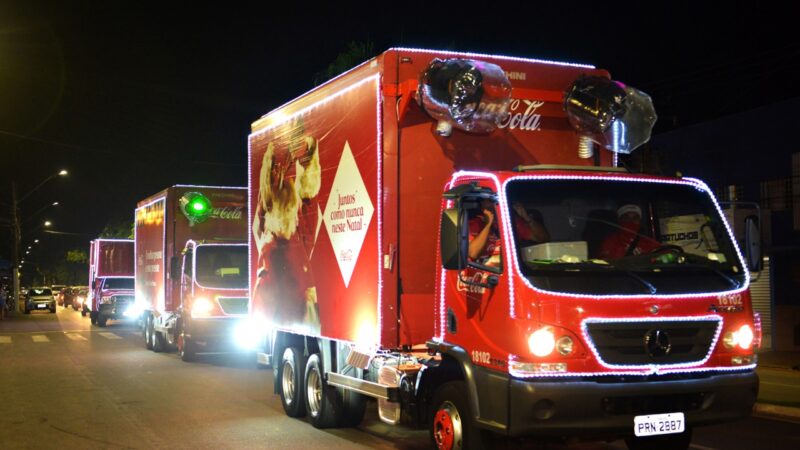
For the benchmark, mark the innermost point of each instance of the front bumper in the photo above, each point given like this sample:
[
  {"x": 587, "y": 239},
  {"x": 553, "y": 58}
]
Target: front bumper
[
  {"x": 42, "y": 306},
  {"x": 605, "y": 407},
  {"x": 213, "y": 334},
  {"x": 111, "y": 311}
]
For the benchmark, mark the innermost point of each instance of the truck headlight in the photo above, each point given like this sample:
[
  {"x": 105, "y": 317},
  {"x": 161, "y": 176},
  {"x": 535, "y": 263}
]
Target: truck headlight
[
  {"x": 542, "y": 342},
  {"x": 743, "y": 337},
  {"x": 201, "y": 307}
]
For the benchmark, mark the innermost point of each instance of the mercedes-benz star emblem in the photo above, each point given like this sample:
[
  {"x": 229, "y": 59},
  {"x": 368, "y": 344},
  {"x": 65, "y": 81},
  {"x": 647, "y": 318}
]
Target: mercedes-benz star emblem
[{"x": 657, "y": 343}]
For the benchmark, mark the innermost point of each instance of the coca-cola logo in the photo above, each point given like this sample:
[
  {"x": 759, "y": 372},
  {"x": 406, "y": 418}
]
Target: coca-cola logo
[
  {"x": 522, "y": 114},
  {"x": 227, "y": 213}
]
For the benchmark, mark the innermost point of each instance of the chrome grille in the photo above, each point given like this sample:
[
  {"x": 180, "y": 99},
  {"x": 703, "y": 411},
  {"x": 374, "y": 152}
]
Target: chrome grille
[
  {"x": 233, "y": 305},
  {"x": 626, "y": 343}
]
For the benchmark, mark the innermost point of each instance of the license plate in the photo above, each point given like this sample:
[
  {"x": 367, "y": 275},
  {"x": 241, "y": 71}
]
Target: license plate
[
  {"x": 42, "y": 305},
  {"x": 656, "y": 424}
]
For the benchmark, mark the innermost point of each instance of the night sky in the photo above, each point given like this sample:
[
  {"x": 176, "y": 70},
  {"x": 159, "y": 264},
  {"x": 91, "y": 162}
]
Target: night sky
[{"x": 132, "y": 97}]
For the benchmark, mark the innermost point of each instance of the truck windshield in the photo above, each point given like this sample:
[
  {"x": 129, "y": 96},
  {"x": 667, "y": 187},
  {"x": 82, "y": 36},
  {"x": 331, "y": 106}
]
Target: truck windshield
[
  {"x": 611, "y": 237},
  {"x": 221, "y": 266},
  {"x": 118, "y": 283}
]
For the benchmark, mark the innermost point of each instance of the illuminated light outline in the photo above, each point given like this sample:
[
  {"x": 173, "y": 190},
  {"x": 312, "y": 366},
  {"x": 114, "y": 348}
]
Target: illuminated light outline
[
  {"x": 196, "y": 244},
  {"x": 97, "y": 253},
  {"x": 632, "y": 179},
  {"x": 379, "y": 195},
  {"x": 208, "y": 187},
  {"x": 249, "y": 231},
  {"x": 528, "y": 375},
  {"x": 149, "y": 305},
  {"x": 379, "y": 117},
  {"x": 654, "y": 368},
  {"x": 482, "y": 55},
  {"x": 339, "y": 93}
]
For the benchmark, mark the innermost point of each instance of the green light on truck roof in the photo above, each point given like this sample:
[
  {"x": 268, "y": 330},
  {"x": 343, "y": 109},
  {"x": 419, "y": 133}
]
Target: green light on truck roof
[{"x": 196, "y": 207}]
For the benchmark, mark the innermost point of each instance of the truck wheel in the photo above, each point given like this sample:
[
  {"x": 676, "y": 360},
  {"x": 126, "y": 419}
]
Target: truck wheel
[
  {"x": 354, "y": 405},
  {"x": 148, "y": 331},
  {"x": 159, "y": 342},
  {"x": 93, "y": 317},
  {"x": 451, "y": 421},
  {"x": 321, "y": 399},
  {"x": 101, "y": 321},
  {"x": 291, "y": 376},
  {"x": 664, "y": 442},
  {"x": 186, "y": 346}
]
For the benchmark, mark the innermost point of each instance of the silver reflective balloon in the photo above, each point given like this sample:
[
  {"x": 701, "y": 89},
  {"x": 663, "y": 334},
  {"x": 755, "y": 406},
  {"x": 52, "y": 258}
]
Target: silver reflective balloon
[{"x": 467, "y": 94}]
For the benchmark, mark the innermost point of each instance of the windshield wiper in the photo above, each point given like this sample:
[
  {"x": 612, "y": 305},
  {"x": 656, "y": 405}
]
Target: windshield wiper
[{"x": 733, "y": 282}]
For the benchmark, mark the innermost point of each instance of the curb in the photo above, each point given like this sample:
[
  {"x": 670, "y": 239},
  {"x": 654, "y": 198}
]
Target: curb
[{"x": 777, "y": 411}]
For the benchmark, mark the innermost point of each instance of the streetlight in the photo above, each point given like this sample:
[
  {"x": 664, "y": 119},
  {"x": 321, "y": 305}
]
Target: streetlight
[{"x": 15, "y": 220}]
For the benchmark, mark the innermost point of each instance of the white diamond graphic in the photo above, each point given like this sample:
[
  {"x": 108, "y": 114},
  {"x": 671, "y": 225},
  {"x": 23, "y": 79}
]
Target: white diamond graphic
[{"x": 348, "y": 214}]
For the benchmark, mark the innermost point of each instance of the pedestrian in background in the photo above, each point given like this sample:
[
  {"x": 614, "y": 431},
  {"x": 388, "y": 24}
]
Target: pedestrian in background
[{"x": 3, "y": 298}]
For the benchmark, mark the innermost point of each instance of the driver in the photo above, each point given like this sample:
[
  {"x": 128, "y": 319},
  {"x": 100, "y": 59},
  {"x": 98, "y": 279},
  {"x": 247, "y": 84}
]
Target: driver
[{"x": 627, "y": 240}]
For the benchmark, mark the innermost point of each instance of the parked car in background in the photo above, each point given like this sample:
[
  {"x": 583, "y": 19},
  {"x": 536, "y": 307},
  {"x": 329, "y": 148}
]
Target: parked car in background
[
  {"x": 40, "y": 299},
  {"x": 79, "y": 299}
]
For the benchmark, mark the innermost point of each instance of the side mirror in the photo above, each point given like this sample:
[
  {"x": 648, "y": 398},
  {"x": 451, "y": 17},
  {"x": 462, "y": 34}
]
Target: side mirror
[
  {"x": 175, "y": 268},
  {"x": 453, "y": 244},
  {"x": 752, "y": 246}
]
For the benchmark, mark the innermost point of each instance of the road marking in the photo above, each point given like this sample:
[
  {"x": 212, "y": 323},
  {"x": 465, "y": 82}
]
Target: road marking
[
  {"x": 108, "y": 335},
  {"x": 778, "y": 384},
  {"x": 75, "y": 337},
  {"x": 5, "y": 339},
  {"x": 40, "y": 338},
  {"x": 700, "y": 447}
]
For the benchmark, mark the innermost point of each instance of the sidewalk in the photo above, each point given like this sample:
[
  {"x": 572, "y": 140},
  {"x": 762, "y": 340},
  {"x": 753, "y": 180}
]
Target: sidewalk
[{"x": 779, "y": 392}]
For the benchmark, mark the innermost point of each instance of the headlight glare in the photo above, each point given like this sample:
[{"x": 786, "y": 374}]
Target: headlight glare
[{"x": 542, "y": 342}]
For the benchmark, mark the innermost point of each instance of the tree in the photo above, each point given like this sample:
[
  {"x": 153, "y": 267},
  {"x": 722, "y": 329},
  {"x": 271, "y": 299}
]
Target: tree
[
  {"x": 355, "y": 54},
  {"x": 118, "y": 228}
]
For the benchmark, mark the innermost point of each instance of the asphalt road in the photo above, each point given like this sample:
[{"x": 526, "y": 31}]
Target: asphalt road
[{"x": 65, "y": 384}]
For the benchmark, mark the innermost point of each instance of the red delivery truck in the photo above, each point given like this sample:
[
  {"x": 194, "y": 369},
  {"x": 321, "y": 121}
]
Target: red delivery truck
[
  {"x": 191, "y": 267},
  {"x": 110, "y": 281},
  {"x": 450, "y": 234}
]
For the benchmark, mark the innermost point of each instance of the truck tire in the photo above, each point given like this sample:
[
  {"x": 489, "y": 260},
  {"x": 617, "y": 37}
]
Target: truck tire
[
  {"x": 186, "y": 347},
  {"x": 93, "y": 317},
  {"x": 291, "y": 382},
  {"x": 322, "y": 402},
  {"x": 148, "y": 331},
  {"x": 101, "y": 321},
  {"x": 159, "y": 341},
  {"x": 354, "y": 406},
  {"x": 664, "y": 442},
  {"x": 450, "y": 422}
]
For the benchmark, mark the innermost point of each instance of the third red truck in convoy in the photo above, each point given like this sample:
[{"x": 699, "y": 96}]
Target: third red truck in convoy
[
  {"x": 191, "y": 267},
  {"x": 365, "y": 196},
  {"x": 110, "y": 280}
]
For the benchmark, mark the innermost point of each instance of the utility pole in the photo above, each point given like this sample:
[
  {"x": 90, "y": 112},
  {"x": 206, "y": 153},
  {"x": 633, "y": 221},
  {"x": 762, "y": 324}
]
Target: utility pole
[{"x": 16, "y": 231}]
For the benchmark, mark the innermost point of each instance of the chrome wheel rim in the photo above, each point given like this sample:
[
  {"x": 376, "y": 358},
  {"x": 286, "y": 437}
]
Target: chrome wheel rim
[
  {"x": 287, "y": 382},
  {"x": 314, "y": 392}
]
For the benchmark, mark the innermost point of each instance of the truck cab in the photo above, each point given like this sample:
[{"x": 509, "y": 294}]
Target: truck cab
[
  {"x": 597, "y": 337},
  {"x": 213, "y": 297},
  {"x": 114, "y": 299}
]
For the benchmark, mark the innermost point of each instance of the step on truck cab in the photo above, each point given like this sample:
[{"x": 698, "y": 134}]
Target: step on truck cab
[
  {"x": 110, "y": 281},
  {"x": 596, "y": 302},
  {"x": 191, "y": 268}
]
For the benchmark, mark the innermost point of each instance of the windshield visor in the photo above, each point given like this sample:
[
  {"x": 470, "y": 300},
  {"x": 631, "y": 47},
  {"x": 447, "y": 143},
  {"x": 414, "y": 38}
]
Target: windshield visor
[
  {"x": 221, "y": 266},
  {"x": 615, "y": 237}
]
